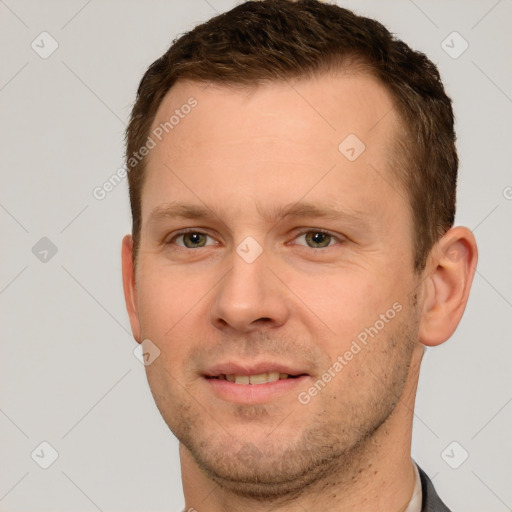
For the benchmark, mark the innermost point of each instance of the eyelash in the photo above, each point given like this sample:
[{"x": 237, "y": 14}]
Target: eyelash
[{"x": 339, "y": 239}]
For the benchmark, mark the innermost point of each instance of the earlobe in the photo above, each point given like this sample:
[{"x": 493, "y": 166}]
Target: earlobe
[
  {"x": 447, "y": 286},
  {"x": 130, "y": 293}
]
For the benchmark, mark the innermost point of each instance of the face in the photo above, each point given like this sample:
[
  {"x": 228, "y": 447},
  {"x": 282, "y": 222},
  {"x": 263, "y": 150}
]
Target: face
[{"x": 274, "y": 276}]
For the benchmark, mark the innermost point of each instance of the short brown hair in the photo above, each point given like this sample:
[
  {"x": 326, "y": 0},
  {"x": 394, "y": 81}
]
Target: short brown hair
[{"x": 274, "y": 40}]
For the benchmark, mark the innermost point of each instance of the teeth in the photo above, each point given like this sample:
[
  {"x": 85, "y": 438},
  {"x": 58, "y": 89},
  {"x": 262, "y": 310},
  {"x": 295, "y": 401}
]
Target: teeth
[
  {"x": 261, "y": 378},
  {"x": 258, "y": 379},
  {"x": 273, "y": 376},
  {"x": 242, "y": 379}
]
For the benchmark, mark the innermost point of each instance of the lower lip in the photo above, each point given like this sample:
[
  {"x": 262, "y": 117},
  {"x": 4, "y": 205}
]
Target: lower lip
[{"x": 254, "y": 393}]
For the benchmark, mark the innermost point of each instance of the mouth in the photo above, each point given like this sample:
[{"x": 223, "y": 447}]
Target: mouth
[
  {"x": 261, "y": 383},
  {"x": 255, "y": 379}
]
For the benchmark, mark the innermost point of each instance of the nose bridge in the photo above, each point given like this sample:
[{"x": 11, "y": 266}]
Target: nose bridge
[{"x": 249, "y": 293}]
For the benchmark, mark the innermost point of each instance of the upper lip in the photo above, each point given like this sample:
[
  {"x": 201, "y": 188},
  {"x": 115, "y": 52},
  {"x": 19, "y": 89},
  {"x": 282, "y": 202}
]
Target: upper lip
[{"x": 231, "y": 368}]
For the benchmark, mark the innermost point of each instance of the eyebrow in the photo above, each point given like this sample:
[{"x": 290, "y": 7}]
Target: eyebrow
[
  {"x": 179, "y": 211},
  {"x": 175, "y": 210}
]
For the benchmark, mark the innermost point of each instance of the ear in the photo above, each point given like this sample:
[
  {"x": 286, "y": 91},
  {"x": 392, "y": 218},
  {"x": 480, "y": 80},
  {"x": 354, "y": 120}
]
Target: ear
[
  {"x": 446, "y": 289},
  {"x": 130, "y": 295}
]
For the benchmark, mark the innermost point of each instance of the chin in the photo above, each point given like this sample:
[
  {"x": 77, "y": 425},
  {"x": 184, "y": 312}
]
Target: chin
[
  {"x": 276, "y": 467},
  {"x": 273, "y": 473}
]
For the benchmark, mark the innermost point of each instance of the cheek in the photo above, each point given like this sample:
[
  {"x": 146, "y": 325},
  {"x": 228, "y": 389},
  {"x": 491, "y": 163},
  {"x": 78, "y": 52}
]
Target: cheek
[
  {"x": 164, "y": 298},
  {"x": 345, "y": 303},
  {"x": 373, "y": 362},
  {"x": 174, "y": 314}
]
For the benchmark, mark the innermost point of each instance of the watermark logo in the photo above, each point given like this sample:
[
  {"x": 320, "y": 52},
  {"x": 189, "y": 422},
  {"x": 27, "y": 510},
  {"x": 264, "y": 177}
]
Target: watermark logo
[
  {"x": 454, "y": 455},
  {"x": 44, "y": 45},
  {"x": 249, "y": 454},
  {"x": 249, "y": 249},
  {"x": 44, "y": 455},
  {"x": 351, "y": 147},
  {"x": 456, "y": 253},
  {"x": 44, "y": 250},
  {"x": 454, "y": 45},
  {"x": 146, "y": 352}
]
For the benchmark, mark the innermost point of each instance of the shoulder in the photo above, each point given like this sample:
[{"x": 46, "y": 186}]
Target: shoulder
[{"x": 431, "y": 502}]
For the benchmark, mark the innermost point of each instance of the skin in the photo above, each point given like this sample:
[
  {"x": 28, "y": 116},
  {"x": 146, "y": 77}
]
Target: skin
[{"x": 242, "y": 153}]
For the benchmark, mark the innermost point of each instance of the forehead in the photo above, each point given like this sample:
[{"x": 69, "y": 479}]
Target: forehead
[
  {"x": 330, "y": 105},
  {"x": 273, "y": 142}
]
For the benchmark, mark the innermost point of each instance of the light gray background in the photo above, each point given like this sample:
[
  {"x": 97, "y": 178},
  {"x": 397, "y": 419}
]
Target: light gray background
[{"x": 67, "y": 372}]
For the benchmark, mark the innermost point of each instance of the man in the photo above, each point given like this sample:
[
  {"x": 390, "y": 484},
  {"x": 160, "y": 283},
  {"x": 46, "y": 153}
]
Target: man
[{"x": 292, "y": 182}]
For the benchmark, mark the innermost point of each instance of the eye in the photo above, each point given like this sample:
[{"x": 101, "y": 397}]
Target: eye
[
  {"x": 190, "y": 240},
  {"x": 317, "y": 239}
]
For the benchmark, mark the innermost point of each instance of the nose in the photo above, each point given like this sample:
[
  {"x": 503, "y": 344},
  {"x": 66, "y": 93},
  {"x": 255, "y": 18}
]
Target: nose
[{"x": 250, "y": 297}]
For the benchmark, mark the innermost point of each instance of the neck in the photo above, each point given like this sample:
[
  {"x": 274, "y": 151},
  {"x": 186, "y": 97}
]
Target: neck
[{"x": 381, "y": 478}]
